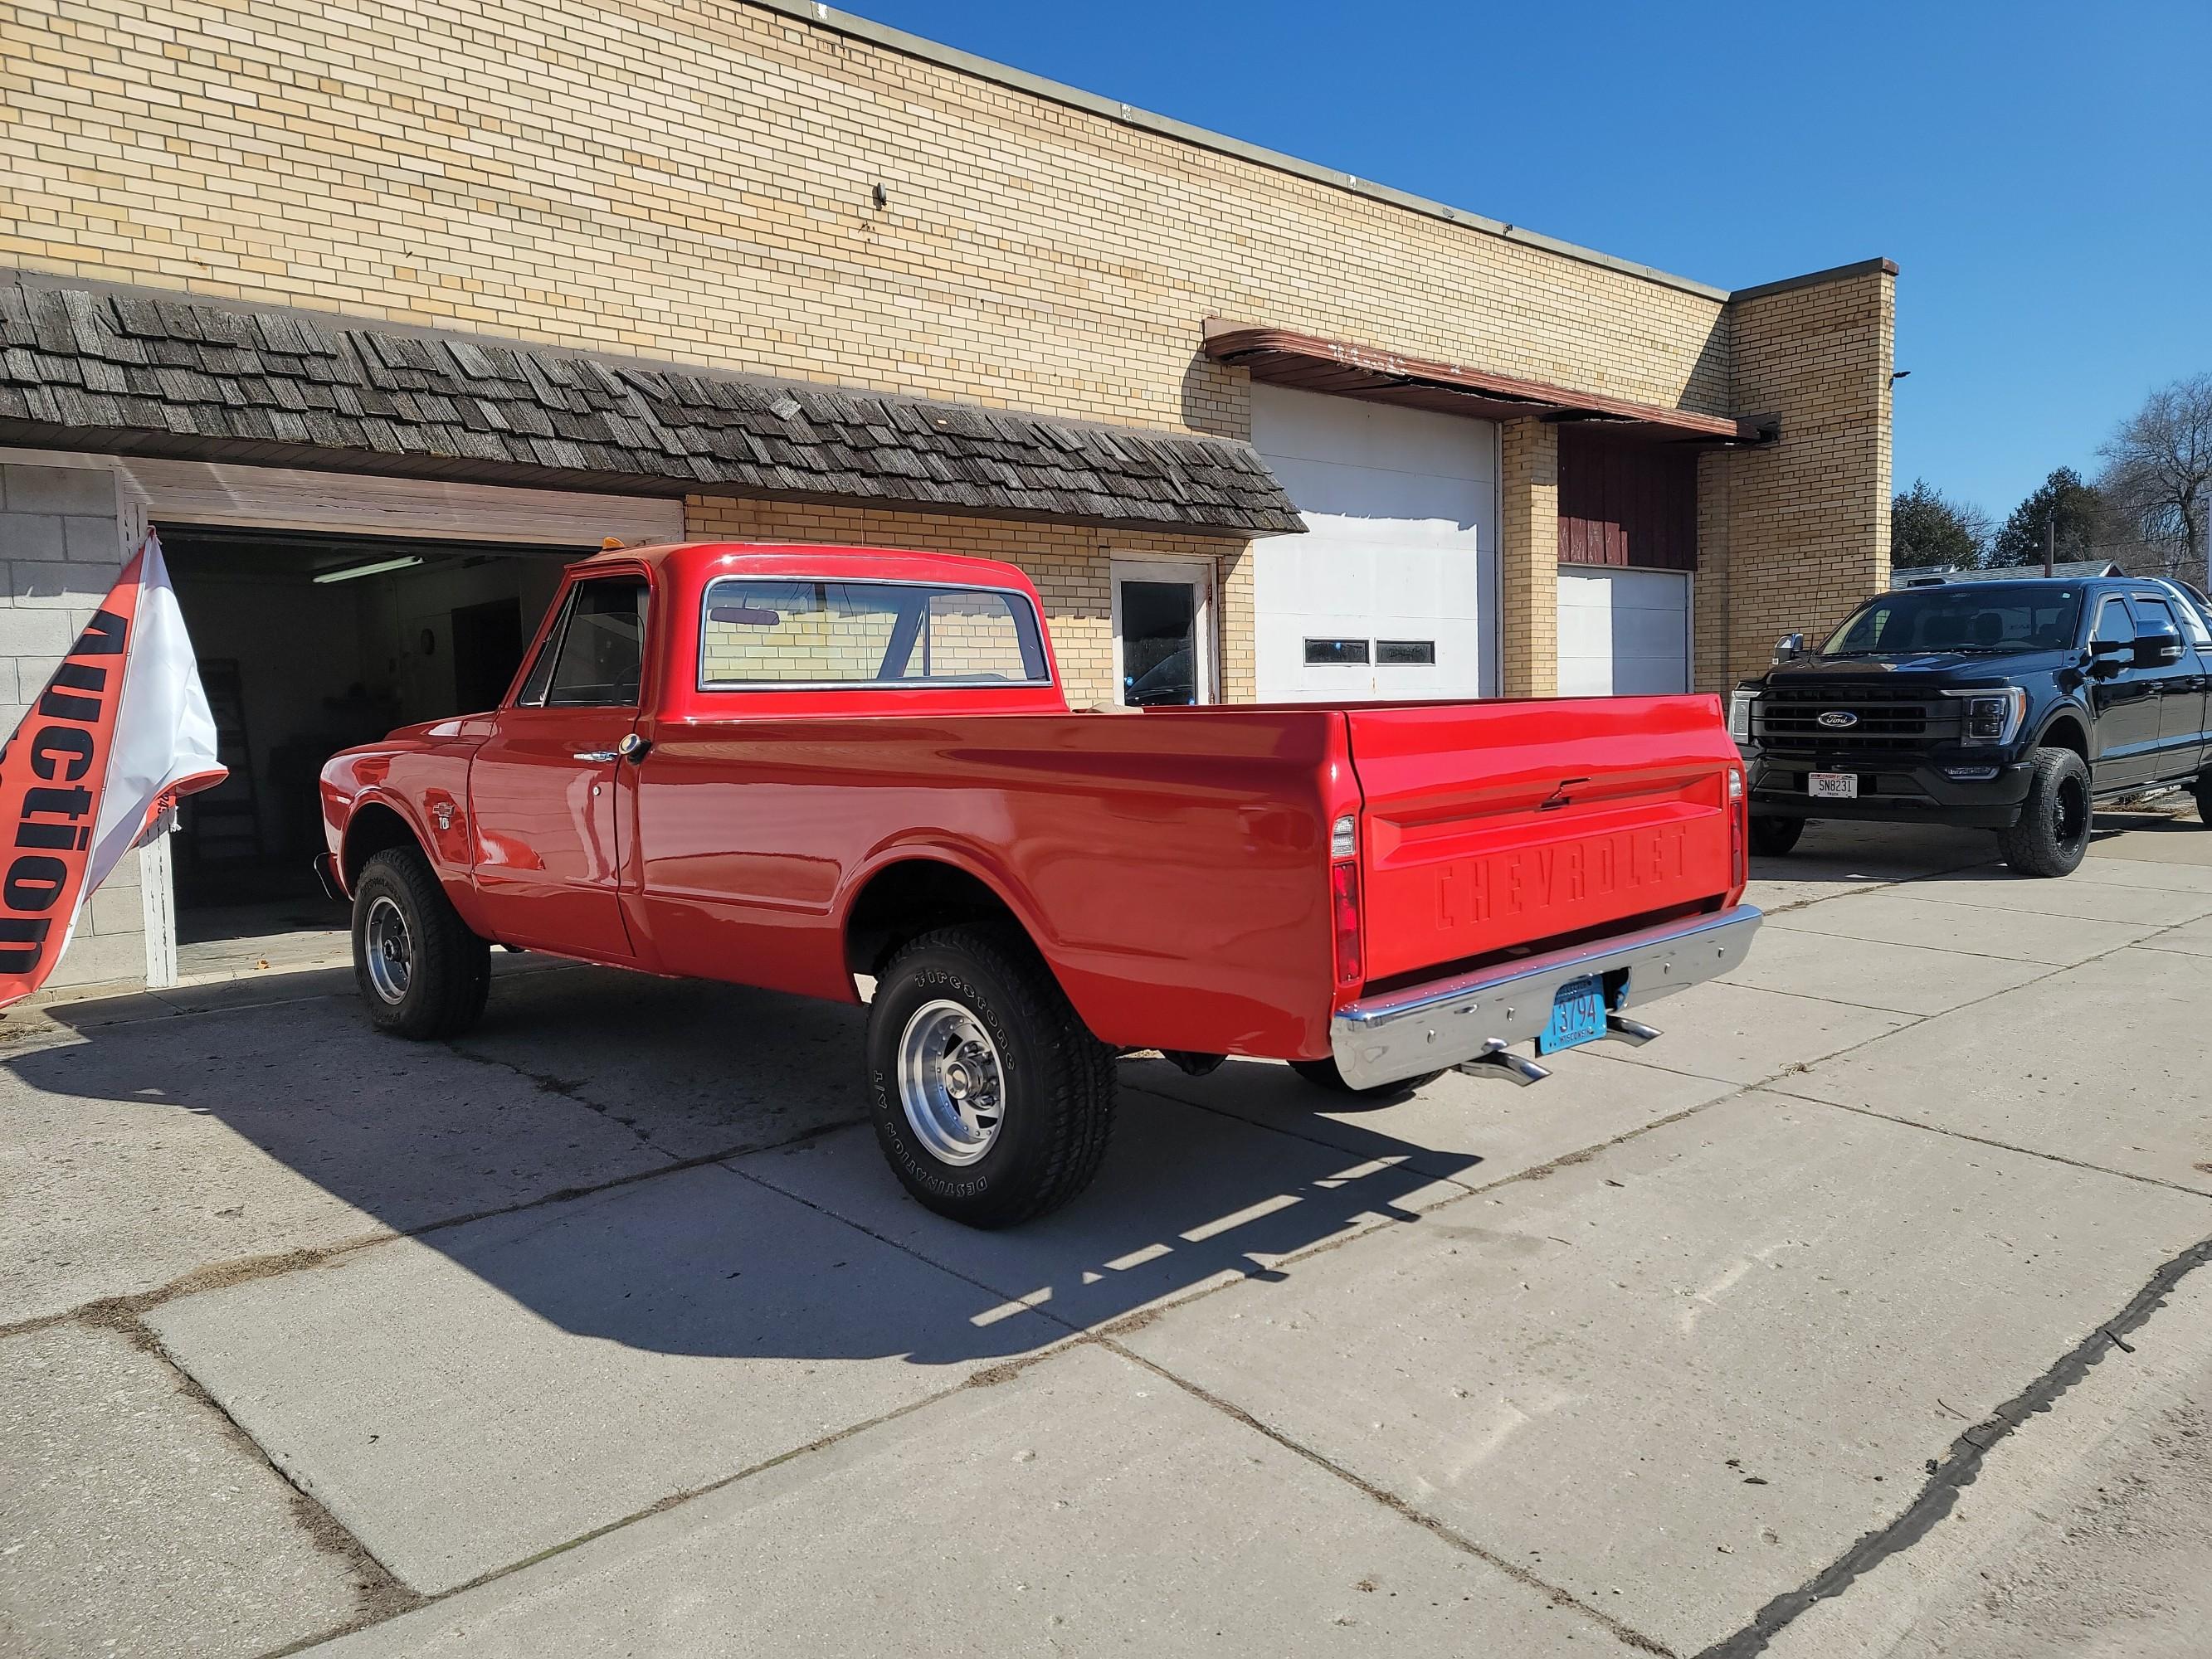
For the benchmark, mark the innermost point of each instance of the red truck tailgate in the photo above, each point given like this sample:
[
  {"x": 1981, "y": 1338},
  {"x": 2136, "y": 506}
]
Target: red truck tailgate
[{"x": 1490, "y": 825}]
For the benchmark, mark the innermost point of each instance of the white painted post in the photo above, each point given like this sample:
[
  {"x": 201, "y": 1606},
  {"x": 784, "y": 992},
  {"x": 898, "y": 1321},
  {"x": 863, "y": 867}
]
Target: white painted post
[
  {"x": 157, "y": 894},
  {"x": 157, "y": 901}
]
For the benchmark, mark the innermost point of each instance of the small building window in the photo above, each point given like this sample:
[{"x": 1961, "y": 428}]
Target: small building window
[
  {"x": 1406, "y": 652},
  {"x": 1327, "y": 652}
]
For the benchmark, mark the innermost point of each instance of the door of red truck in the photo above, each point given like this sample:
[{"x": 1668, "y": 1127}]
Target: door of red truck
[{"x": 542, "y": 789}]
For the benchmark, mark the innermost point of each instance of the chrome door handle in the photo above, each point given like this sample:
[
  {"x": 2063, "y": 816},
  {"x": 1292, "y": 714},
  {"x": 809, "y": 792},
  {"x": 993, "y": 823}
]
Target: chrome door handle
[{"x": 594, "y": 754}]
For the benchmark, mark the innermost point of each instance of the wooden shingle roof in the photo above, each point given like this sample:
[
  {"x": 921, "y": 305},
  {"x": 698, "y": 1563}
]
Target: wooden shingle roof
[{"x": 134, "y": 372}]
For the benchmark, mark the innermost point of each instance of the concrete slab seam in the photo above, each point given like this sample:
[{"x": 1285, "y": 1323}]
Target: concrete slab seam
[
  {"x": 220, "y": 1274},
  {"x": 1985, "y": 1140},
  {"x": 379, "y": 1592},
  {"x": 989, "y": 1376},
  {"x": 1959, "y": 1468},
  {"x": 1399, "y": 1506}
]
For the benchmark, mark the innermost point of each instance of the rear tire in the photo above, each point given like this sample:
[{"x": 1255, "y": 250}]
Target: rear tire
[
  {"x": 1323, "y": 1074},
  {"x": 2203, "y": 790},
  {"x": 423, "y": 975},
  {"x": 2052, "y": 835},
  {"x": 992, "y": 1101},
  {"x": 1772, "y": 838}
]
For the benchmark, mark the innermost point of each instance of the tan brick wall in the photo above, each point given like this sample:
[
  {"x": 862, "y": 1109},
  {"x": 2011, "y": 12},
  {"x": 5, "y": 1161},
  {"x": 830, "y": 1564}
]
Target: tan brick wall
[
  {"x": 1070, "y": 566},
  {"x": 1529, "y": 556},
  {"x": 691, "y": 179},
  {"x": 1792, "y": 537}
]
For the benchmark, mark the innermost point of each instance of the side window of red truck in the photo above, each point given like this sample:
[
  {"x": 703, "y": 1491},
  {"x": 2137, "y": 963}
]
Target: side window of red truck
[
  {"x": 787, "y": 632},
  {"x": 595, "y": 655}
]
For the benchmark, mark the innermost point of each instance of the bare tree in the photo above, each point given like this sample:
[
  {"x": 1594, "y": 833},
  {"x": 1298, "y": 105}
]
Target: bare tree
[{"x": 2158, "y": 472}]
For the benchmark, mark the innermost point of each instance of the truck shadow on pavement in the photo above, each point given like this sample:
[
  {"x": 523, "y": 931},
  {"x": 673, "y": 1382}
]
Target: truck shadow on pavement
[{"x": 681, "y": 1168}]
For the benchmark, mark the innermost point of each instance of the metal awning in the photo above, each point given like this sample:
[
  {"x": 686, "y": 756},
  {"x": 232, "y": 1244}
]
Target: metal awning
[{"x": 1279, "y": 356}]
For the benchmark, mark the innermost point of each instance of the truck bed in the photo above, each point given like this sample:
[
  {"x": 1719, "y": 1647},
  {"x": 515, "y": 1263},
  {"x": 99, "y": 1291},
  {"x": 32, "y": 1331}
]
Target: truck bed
[{"x": 1173, "y": 865}]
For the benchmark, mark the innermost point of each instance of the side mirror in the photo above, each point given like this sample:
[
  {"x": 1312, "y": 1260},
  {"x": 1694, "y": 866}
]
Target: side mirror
[
  {"x": 1789, "y": 648},
  {"x": 2157, "y": 650}
]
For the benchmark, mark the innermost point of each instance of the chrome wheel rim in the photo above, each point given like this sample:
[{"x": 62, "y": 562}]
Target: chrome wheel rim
[
  {"x": 952, "y": 1084},
  {"x": 389, "y": 950}
]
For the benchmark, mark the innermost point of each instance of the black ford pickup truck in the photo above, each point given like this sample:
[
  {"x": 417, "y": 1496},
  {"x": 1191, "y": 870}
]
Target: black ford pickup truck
[{"x": 2011, "y": 705}]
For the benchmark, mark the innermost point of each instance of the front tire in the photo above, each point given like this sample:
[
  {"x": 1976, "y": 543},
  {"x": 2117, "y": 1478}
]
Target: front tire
[
  {"x": 2203, "y": 790},
  {"x": 422, "y": 974},
  {"x": 992, "y": 1101},
  {"x": 2052, "y": 835},
  {"x": 1773, "y": 838}
]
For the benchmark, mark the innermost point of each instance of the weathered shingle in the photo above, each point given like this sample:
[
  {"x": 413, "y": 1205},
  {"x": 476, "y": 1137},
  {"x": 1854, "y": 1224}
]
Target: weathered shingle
[{"x": 165, "y": 375}]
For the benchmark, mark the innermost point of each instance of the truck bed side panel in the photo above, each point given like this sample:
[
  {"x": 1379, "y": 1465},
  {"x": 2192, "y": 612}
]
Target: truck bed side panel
[
  {"x": 1172, "y": 871},
  {"x": 1493, "y": 825}
]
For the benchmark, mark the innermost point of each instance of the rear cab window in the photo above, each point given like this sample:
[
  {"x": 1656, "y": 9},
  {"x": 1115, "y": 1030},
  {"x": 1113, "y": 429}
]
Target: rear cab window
[{"x": 761, "y": 632}]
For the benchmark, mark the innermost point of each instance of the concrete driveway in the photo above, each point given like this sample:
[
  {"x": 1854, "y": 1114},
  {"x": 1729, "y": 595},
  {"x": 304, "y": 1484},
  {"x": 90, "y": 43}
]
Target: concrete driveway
[{"x": 1854, "y": 1316}]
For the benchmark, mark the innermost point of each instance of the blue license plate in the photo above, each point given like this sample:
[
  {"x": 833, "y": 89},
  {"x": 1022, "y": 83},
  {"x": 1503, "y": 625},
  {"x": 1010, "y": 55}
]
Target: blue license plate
[{"x": 1577, "y": 1017}]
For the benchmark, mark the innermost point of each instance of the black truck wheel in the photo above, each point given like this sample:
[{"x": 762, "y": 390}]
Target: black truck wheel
[
  {"x": 991, "y": 1098},
  {"x": 422, "y": 972},
  {"x": 2203, "y": 790},
  {"x": 1771, "y": 838},
  {"x": 2052, "y": 835},
  {"x": 1323, "y": 1074}
]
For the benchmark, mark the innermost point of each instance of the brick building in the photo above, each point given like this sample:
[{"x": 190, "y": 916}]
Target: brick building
[{"x": 380, "y": 312}]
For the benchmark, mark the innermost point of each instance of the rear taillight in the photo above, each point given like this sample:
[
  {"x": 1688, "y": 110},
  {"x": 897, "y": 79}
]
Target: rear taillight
[
  {"x": 1344, "y": 911},
  {"x": 1739, "y": 816}
]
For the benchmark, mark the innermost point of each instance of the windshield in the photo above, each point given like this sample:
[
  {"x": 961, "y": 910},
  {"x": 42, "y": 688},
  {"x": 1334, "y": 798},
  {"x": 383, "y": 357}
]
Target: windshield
[{"x": 1970, "y": 618}]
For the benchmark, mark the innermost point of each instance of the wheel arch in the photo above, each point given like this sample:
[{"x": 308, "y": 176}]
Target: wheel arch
[
  {"x": 912, "y": 890},
  {"x": 2068, "y": 727},
  {"x": 374, "y": 826}
]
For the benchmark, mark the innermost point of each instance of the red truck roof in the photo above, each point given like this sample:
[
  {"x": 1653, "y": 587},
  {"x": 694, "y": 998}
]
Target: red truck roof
[{"x": 696, "y": 562}]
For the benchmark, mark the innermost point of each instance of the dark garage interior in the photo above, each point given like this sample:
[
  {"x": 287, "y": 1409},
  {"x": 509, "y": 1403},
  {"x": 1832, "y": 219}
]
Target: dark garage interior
[{"x": 308, "y": 643}]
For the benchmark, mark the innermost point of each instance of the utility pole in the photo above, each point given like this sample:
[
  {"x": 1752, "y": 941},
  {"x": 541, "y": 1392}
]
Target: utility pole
[{"x": 2050, "y": 541}]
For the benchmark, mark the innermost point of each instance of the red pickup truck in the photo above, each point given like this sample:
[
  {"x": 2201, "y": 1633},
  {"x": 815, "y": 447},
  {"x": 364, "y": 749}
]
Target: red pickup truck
[{"x": 798, "y": 767}]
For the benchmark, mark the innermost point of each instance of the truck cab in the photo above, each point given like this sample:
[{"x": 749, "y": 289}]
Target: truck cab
[{"x": 2009, "y": 704}]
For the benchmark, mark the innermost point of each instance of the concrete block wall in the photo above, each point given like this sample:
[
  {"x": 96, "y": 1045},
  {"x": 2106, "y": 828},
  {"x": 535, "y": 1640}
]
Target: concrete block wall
[
  {"x": 61, "y": 548},
  {"x": 1792, "y": 537}
]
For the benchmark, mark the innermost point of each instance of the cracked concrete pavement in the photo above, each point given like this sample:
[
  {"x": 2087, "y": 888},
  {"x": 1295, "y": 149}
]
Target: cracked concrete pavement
[{"x": 1858, "y": 1315}]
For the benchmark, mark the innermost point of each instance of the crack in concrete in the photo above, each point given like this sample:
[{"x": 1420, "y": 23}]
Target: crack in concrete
[{"x": 1958, "y": 1468}]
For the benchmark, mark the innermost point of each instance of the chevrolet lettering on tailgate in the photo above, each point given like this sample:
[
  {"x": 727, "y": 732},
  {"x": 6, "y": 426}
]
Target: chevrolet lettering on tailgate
[{"x": 1560, "y": 877}]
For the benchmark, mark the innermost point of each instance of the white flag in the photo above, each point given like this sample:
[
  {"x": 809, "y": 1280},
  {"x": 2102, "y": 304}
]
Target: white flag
[{"x": 120, "y": 732}]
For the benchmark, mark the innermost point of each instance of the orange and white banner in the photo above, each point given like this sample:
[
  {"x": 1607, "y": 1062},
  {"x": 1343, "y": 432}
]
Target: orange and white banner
[{"x": 120, "y": 732}]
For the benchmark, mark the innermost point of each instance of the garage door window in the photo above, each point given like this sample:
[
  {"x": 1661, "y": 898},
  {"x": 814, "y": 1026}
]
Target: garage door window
[
  {"x": 1336, "y": 650},
  {"x": 1405, "y": 653}
]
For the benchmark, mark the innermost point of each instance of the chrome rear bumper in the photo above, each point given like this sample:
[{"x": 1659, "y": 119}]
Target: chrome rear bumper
[{"x": 1448, "y": 1022}]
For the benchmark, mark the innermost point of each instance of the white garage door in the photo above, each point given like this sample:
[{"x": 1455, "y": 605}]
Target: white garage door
[
  {"x": 1392, "y": 591},
  {"x": 1623, "y": 633}
]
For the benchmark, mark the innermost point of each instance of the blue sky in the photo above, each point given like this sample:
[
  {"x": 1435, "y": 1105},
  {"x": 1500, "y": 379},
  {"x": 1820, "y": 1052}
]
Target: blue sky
[{"x": 2042, "y": 173}]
